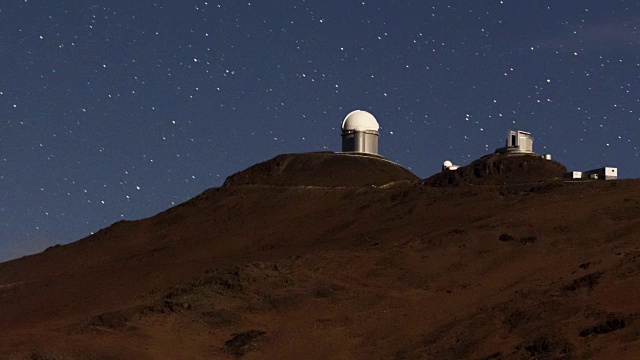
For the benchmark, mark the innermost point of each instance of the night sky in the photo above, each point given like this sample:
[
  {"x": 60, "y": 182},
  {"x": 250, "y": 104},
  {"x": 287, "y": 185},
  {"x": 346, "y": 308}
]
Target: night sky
[{"x": 114, "y": 110}]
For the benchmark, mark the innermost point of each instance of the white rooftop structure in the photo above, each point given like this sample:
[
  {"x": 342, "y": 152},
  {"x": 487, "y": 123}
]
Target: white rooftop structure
[
  {"x": 359, "y": 120},
  {"x": 360, "y": 132}
]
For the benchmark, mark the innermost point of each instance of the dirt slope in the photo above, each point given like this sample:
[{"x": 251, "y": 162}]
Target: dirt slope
[{"x": 550, "y": 270}]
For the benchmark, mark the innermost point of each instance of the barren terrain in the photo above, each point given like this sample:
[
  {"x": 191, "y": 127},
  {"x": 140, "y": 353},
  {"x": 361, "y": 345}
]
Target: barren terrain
[{"x": 367, "y": 264}]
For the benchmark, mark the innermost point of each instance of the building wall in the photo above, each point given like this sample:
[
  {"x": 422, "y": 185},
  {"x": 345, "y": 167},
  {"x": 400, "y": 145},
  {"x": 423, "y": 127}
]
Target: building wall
[
  {"x": 360, "y": 141},
  {"x": 525, "y": 143},
  {"x": 611, "y": 173}
]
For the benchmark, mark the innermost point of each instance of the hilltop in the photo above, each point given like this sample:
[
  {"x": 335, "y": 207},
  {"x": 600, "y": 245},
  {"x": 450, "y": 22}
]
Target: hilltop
[
  {"x": 501, "y": 169},
  {"x": 283, "y": 263},
  {"x": 322, "y": 169}
]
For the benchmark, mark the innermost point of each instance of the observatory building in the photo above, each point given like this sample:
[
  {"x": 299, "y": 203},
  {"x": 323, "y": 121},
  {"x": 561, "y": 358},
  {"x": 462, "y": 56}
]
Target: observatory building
[
  {"x": 360, "y": 133},
  {"x": 518, "y": 142},
  {"x": 448, "y": 165}
]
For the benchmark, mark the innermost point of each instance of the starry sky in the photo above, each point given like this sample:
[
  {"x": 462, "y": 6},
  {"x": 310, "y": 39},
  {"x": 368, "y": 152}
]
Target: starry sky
[{"x": 116, "y": 109}]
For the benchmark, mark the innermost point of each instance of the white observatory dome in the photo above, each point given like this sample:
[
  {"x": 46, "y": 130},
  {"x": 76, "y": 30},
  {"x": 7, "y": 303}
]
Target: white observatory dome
[
  {"x": 447, "y": 164},
  {"x": 359, "y": 120}
]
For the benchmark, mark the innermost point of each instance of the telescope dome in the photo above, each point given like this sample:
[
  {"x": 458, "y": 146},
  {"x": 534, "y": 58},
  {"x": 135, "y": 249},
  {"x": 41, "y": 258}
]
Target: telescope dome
[{"x": 359, "y": 120}]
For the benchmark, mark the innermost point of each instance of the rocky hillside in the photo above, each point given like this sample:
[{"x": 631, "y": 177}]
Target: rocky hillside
[
  {"x": 407, "y": 271},
  {"x": 501, "y": 169}
]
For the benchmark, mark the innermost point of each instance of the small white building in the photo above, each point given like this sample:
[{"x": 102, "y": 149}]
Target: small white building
[
  {"x": 605, "y": 173},
  {"x": 519, "y": 142},
  {"x": 574, "y": 175}
]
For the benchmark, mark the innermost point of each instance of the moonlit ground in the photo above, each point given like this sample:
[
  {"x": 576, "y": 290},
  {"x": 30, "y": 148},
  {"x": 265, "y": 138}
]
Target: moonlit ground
[{"x": 119, "y": 109}]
